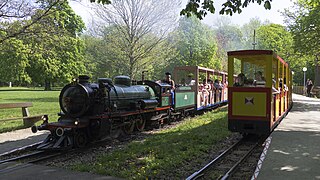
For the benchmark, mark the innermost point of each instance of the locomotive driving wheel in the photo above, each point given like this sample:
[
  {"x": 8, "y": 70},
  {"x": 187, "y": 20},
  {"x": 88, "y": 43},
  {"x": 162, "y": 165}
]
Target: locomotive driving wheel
[
  {"x": 140, "y": 123},
  {"x": 129, "y": 126},
  {"x": 80, "y": 139}
]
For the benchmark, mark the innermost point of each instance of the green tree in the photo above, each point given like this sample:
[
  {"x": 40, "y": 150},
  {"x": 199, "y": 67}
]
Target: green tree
[
  {"x": 13, "y": 55},
  {"x": 57, "y": 51},
  {"x": 103, "y": 54},
  {"x": 96, "y": 53},
  {"x": 304, "y": 23},
  {"x": 195, "y": 43},
  {"x": 276, "y": 37},
  {"x": 248, "y": 31},
  {"x": 228, "y": 37}
]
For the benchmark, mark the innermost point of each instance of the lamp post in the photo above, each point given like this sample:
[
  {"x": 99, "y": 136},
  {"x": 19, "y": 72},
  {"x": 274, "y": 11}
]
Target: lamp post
[{"x": 304, "y": 79}]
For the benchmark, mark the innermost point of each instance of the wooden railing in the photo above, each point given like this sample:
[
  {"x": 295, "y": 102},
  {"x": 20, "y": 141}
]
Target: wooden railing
[
  {"x": 298, "y": 90},
  {"x": 27, "y": 119}
]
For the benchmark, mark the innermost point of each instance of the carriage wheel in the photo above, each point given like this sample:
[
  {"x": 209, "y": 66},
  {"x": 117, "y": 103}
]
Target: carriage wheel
[
  {"x": 129, "y": 127},
  {"x": 80, "y": 139},
  {"x": 140, "y": 123}
]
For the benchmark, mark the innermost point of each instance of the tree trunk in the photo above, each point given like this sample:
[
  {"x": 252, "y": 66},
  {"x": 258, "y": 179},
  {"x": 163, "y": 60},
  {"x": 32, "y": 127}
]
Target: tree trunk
[
  {"x": 131, "y": 73},
  {"x": 317, "y": 72},
  {"x": 316, "y": 82},
  {"x": 47, "y": 85}
]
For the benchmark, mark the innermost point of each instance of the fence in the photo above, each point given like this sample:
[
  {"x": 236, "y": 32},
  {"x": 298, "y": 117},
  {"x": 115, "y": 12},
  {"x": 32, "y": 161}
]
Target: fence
[{"x": 298, "y": 90}]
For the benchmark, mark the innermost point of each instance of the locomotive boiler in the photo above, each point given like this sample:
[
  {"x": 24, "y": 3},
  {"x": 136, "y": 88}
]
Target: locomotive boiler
[{"x": 84, "y": 98}]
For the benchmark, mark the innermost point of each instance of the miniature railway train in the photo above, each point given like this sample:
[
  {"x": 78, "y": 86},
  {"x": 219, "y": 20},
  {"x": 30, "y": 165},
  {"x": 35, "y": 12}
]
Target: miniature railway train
[{"x": 91, "y": 111}]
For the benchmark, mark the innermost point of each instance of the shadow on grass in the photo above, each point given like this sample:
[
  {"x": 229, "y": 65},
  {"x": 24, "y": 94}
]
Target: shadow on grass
[{"x": 172, "y": 153}]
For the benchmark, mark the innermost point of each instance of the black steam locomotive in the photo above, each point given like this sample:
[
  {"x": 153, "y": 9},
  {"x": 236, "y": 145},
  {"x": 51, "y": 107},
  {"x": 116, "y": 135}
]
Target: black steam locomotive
[{"x": 92, "y": 110}]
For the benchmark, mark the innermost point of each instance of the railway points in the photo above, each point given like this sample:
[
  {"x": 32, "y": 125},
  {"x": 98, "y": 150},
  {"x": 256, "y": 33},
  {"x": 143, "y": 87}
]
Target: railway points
[{"x": 294, "y": 152}]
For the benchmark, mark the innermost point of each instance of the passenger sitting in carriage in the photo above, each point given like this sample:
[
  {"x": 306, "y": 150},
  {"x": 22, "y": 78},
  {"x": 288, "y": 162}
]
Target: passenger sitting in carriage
[
  {"x": 218, "y": 89},
  {"x": 285, "y": 87},
  {"x": 259, "y": 81},
  {"x": 190, "y": 80},
  {"x": 204, "y": 88},
  {"x": 274, "y": 89},
  {"x": 240, "y": 80}
]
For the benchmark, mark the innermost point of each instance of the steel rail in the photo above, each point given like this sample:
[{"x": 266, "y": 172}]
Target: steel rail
[
  {"x": 19, "y": 149},
  {"x": 29, "y": 163},
  {"x": 236, "y": 165},
  {"x": 197, "y": 174},
  {"x": 22, "y": 157}
]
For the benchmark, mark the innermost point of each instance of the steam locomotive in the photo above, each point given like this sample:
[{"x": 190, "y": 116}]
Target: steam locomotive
[{"x": 91, "y": 111}]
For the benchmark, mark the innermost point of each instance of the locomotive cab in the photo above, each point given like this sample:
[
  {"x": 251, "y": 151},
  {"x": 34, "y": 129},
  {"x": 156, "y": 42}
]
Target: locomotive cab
[{"x": 161, "y": 92}]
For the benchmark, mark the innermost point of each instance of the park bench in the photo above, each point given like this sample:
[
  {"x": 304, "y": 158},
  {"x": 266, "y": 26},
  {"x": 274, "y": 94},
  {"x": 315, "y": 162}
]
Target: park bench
[{"x": 28, "y": 120}]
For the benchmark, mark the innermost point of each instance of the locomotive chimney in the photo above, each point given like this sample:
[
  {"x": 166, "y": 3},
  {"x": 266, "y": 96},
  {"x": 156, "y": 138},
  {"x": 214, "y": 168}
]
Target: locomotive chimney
[{"x": 83, "y": 79}]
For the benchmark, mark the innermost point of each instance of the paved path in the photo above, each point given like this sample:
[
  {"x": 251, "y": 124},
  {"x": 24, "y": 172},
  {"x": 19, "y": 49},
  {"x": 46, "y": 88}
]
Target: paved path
[
  {"x": 23, "y": 137},
  {"x": 294, "y": 152},
  {"x": 19, "y": 138},
  {"x": 38, "y": 172}
]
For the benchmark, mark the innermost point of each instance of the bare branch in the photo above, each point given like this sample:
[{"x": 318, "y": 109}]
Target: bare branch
[
  {"x": 22, "y": 9},
  {"x": 141, "y": 24}
]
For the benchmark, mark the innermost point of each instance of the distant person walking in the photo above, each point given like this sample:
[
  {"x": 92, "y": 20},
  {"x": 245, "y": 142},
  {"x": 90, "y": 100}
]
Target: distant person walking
[{"x": 309, "y": 87}]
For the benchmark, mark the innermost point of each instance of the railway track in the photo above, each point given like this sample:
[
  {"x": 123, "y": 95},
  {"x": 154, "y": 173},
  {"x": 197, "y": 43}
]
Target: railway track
[
  {"x": 20, "y": 149},
  {"x": 24, "y": 160},
  {"x": 26, "y": 155},
  {"x": 228, "y": 162}
]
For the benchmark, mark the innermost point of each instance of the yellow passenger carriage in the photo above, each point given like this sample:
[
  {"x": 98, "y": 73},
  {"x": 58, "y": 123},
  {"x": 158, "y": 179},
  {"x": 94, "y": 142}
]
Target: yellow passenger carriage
[{"x": 259, "y": 92}]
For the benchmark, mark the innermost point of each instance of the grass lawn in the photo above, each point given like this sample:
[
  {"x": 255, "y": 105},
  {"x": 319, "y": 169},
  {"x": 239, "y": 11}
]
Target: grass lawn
[
  {"x": 44, "y": 102},
  {"x": 162, "y": 154}
]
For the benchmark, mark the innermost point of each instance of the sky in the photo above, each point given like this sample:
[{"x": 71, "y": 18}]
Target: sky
[{"x": 251, "y": 11}]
